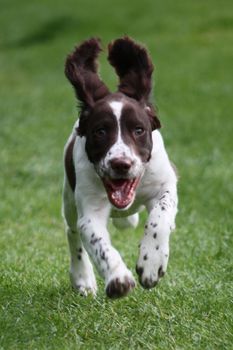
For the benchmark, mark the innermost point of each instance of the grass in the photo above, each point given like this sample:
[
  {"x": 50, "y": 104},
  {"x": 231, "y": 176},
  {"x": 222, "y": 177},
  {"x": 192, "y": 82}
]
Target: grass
[{"x": 192, "y": 306}]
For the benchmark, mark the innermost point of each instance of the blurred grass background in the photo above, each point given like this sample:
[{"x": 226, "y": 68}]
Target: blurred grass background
[{"x": 191, "y": 46}]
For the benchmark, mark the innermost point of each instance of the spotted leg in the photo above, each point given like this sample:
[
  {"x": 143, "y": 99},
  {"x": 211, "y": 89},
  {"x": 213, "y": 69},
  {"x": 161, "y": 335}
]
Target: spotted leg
[
  {"x": 118, "y": 279},
  {"x": 154, "y": 246},
  {"x": 81, "y": 271}
]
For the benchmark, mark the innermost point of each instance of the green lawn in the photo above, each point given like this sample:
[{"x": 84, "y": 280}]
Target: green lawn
[{"x": 191, "y": 46}]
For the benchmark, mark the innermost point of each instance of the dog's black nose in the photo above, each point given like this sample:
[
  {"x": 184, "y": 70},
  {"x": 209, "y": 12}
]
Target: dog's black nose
[{"x": 121, "y": 165}]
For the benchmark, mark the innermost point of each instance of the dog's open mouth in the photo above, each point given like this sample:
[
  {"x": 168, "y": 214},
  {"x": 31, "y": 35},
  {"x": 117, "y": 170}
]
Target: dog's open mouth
[{"x": 120, "y": 192}]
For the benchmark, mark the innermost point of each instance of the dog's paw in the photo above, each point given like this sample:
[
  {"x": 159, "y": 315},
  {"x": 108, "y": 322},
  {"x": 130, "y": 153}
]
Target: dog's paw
[
  {"x": 152, "y": 265},
  {"x": 83, "y": 283},
  {"x": 84, "y": 287},
  {"x": 127, "y": 222},
  {"x": 120, "y": 284}
]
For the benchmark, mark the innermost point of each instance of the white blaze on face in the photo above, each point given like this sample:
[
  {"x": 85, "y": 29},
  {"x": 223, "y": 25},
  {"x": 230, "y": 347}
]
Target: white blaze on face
[
  {"x": 117, "y": 109},
  {"x": 119, "y": 149}
]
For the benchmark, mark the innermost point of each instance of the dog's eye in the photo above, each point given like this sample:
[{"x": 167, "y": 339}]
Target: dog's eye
[
  {"x": 100, "y": 132},
  {"x": 138, "y": 131}
]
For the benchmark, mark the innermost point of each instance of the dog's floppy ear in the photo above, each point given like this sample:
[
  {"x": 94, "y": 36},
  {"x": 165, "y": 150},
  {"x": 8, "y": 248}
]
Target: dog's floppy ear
[
  {"x": 81, "y": 70},
  {"x": 134, "y": 68}
]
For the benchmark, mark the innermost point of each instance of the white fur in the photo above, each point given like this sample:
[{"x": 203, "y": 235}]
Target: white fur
[
  {"x": 87, "y": 212},
  {"x": 123, "y": 223},
  {"x": 117, "y": 109}
]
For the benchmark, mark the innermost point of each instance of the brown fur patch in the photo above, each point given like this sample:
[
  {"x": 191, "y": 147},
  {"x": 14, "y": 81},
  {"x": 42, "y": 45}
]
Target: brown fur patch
[{"x": 69, "y": 164}]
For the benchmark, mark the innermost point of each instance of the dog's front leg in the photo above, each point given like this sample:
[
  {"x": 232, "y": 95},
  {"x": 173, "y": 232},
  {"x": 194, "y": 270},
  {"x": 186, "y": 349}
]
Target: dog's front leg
[
  {"x": 118, "y": 279},
  {"x": 154, "y": 247}
]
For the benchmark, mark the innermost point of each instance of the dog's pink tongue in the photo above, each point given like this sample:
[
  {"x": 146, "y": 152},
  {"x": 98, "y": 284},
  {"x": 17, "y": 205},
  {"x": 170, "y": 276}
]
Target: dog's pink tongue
[{"x": 120, "y": 192}]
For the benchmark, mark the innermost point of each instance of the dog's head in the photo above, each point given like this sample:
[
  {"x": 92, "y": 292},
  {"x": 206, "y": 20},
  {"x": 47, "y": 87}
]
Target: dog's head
[{"x": 117, "y": 126}]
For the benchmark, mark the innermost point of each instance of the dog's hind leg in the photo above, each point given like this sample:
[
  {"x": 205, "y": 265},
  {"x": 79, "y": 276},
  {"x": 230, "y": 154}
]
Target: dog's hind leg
[
  {"x": 127, "y": 222},
  {"x": 81, "y": 271}
]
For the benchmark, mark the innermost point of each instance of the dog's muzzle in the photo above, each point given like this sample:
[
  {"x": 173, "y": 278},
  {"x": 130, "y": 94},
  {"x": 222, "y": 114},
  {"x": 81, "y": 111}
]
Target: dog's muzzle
[{"x": 120, "y": 184}]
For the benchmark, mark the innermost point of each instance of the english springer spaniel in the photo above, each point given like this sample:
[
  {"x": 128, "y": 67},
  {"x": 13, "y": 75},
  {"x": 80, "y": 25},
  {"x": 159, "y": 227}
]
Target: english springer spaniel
[{"x": 116, "y": 165}]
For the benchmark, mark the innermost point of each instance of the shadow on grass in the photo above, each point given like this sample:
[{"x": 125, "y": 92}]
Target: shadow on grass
[{"x": 45, "y": 33}]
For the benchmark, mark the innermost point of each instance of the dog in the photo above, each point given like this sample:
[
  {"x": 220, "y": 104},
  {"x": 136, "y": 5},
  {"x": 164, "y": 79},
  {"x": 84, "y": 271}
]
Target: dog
[{"x": 116, "y": 165}]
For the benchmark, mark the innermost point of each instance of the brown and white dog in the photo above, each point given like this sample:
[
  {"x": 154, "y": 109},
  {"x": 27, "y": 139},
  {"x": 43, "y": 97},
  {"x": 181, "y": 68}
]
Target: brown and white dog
[{"x": 115, "y": 165}]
